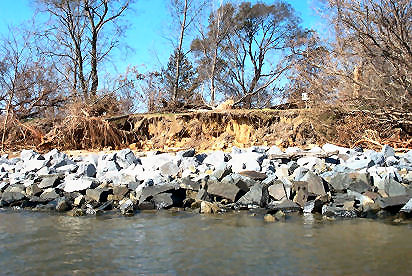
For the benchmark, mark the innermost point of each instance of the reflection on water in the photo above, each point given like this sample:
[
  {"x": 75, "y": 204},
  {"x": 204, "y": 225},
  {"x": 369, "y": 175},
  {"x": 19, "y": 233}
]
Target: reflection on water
[{"x": 232, "y": 244}]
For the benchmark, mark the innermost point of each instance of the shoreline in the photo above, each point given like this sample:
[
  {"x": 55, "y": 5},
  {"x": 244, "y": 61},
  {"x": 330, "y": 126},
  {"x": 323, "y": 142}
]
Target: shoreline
[{"x": 331, "y": 181}]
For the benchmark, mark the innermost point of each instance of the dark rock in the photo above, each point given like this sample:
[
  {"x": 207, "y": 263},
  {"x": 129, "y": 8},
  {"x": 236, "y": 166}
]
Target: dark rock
[
  {"x": 243, "y": 183},
  {"x": 395, "y": 201},
  {"x": 119, "y": 192},
  {"x": 254, "y": 175},
  {"x": 105, "y": 206},
  {"x": 151, "y": 191},
  {"x": 48, "y": 181},
  {"x": 187, "y": 153},
  {"x": 225, "y": 190},
  {"x": 87, "y": 169},
  {"x": 284, "y": 205},
  {"x": 49, "y": 194},
  {"x": 63, "y": 205},
  {"x": 163, "y": 201},
  {"x": 146, "y": 205},
  {"x": 98, "y": 194},
  {"x": 202, "y": 195}
]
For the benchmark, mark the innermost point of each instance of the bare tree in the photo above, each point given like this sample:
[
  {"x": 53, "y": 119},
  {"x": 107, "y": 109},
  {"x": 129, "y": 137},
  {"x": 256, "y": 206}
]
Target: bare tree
[
  {"x": 83, "y": 33},
  {"x": 28, "y": 82},
  {"x": 185, "y": 13},
  {"x": 208, "y": 47},
  {"x": 374, "y": 46}
]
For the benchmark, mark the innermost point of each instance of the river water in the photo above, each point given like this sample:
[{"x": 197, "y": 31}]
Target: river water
[{"x": 182, "y": 243}]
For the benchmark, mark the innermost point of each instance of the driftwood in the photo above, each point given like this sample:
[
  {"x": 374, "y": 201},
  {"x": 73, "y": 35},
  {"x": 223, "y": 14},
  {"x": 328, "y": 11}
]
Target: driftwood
[{"x": 297, "y": 155}]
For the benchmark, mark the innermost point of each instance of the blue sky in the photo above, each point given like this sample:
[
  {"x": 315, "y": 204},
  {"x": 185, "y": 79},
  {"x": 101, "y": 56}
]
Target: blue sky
[{"x": 149, "y": 23}]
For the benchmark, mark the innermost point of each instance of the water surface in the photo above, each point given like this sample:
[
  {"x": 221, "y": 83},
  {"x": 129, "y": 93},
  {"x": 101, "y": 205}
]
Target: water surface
[{"x": 170, "y": 243}]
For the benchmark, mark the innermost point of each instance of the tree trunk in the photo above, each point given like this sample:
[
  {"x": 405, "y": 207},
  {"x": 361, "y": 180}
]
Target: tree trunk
[
  {"x": 179, "y": 53},
  {"x": 94, "y": 76}
]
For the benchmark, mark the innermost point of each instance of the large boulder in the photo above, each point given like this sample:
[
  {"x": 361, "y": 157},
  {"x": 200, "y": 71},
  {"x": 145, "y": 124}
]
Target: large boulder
[
  {"x": 225, "y": 190},
  {"x": 394, "y": 188},
  {"x": 151, "y": 191},
  {"x": 257, "y": 195},
  {"x": 163, "y": 200},
  {"x": 10, "y": 197},
  {"x": 98, "y": 194},
  {"x": 277, "y": 190},
  {"x": 48, "y": 181},
  {"x": 315, "y": 184}
]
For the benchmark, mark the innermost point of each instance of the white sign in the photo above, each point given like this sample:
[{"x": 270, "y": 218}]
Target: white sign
[{"x": 305, "y": 97}]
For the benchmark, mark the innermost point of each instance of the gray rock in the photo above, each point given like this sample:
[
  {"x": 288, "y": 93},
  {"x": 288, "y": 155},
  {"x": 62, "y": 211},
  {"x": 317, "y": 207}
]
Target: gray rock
[
  {"x": 70, "y": 168},
  {"x": 301, "y": 189},
  {"x": 407, "y": 208},
  {"x": 86, "y": 169},
  {"x": 127, "y": 208},
  {"x": 98, "y": 194},
  {"x": 254, "y": 175},
  {"x": 315, "y": 184},
  {"x": 119, "y": 192},
  {"x": 377, "y": 158},
  {"x": 390, "y": 202},
  {"x": 339, "y": 211},
  {"x": 274, "y": 150},
  {"x": 81, "y": 184},
  {"x": 33, "y": 190},
  {"x": 285, "y": 205},
  {"x": 48, "y": 181},
  {"x": 146, "y": 205},
  {"x": 3, "y": 186},
  {"x": 394, "y": 188},
  {"x": 10, "y": 197},
  {"x": 277, "y": 191},
  {"x": 387, "y": 151},
  {"x": 359, "y": 182},
  {"x": 27, "y": 155},
  {"x": 169, "y": 169},
  {"x": 125, "y": 158},
  {"x": 255, "y": 196},
  {"x": 163, "y": 200},
  {"x": 225, "y": 190},
  {"x": 49, "y": 194},
  {"x": 151, "y": 191},
  {"x": 79, "y": 200},
  {"x": 189, "y": 184}
]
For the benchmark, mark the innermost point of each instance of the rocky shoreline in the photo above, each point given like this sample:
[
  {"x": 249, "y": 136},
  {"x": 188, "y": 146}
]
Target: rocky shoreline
[{"x": 332, "y": 181}]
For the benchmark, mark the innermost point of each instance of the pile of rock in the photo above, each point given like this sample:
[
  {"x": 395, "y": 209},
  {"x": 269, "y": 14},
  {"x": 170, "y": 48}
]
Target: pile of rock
[{"x": 331, "y": 180}]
